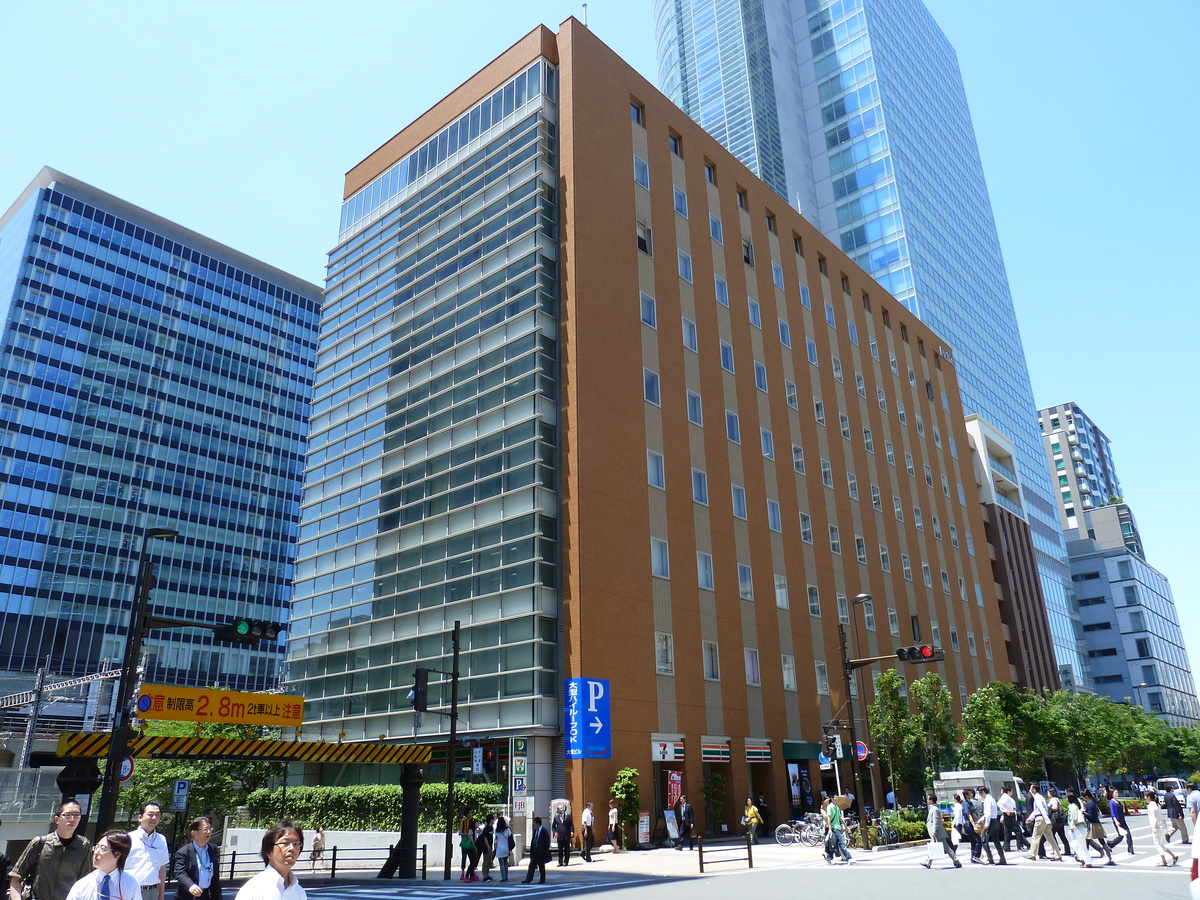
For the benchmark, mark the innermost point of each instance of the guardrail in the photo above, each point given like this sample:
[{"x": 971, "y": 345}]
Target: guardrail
[
  {"x": 722, "y": 849},
  {"x": 347, "y": 860}
]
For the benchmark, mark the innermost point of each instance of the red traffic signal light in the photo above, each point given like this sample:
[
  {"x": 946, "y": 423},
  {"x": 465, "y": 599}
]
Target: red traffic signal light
[{"x": 922, "y": 654}]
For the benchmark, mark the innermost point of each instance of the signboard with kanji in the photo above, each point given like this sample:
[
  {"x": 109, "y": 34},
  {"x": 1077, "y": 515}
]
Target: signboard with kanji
[{"x": 157, "y": 701}]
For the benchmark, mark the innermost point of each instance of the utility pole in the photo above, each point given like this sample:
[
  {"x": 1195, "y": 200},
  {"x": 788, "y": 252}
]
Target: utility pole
[
  {"x": 847, "y": 669},
  {"x": 38, "y": 688},
  {"x": 451, "y": 763}
]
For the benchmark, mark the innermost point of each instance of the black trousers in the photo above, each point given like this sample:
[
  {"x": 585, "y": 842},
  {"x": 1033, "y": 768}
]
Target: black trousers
[
  {"x": 538, "y": 865},
  {"x": 1014, "y": 829},
  {"x": 564, "y": 849},
  {"x": 589, "y": 841},
  {"x": 994, "y": 838}
]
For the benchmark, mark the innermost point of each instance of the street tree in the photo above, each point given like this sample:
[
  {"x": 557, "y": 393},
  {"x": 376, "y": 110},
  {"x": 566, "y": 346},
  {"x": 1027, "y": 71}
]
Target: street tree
[
  {"x": 896, "y": 742},
  {"x": 933, "y": 720}
]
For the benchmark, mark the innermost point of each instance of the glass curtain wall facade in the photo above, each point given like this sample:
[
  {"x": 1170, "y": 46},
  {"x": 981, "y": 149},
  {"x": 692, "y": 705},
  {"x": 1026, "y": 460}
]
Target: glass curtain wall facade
[
  {"x": 431, "y": 489},
  {"x": 891, "y": 172},
  {"x": 152, "y": 378}
]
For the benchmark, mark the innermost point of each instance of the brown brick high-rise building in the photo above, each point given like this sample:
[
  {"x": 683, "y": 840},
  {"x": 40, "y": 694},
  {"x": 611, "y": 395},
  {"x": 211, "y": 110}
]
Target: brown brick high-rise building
[{"x": 590, "y": 388}]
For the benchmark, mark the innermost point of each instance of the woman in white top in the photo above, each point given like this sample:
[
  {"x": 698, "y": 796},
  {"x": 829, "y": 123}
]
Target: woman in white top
[
  {"x": 1079, "y": 829},
  {"x": 1158, "y": 828},
  {"x": 109, "y": 880},
  {"x": 504, "y": 841}
]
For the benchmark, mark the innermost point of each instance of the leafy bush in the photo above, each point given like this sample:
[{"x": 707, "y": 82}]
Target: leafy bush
[
  {"x": 911, "y": 831},
  {"x": 366, "y": 807}
]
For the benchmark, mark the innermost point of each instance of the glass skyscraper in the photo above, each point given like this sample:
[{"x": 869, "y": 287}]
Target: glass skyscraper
[
  {"x": 861, "y": 105},
  {"x": 152, "y": 378},
  {"x": 431, "y": 488}
]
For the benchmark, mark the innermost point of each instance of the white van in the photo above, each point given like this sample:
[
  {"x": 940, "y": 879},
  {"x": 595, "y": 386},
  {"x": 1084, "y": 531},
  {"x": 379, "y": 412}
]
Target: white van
[{"x": 1176, "y": 786}]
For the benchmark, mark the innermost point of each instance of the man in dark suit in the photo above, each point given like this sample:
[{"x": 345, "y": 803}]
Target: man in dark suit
[
  {"x": 539, "y": 852},
  {"x": 687, "y": 821},
  {"x": 195, "y": 866}
]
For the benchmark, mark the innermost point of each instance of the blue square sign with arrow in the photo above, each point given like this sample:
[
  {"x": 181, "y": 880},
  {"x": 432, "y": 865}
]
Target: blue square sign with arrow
[{"x": 588, "y": 723}]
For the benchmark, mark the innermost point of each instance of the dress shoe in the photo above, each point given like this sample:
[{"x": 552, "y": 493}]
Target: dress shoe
[{"x": 927, "y": 863}]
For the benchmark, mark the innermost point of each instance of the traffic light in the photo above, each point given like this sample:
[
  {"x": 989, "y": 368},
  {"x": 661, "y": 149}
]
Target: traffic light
[
  {"x": 830, "y": 746},
  {"x": 922, "y": 654},
  {"x": 420, "y": 691},
  {"x": 248, "y": 631},
  {"x": 489, "y": 761}
]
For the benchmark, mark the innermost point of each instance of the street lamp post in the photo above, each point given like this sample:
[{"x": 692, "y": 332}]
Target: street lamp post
[{"x": 121, "y": 732}]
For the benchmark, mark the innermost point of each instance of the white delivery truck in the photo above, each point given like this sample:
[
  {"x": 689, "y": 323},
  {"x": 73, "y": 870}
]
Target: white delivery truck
[{"x": 994, "y": 780}]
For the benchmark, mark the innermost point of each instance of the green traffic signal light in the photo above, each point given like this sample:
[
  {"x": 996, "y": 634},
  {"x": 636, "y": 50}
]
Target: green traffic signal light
[{"x": 242, "y": 628}]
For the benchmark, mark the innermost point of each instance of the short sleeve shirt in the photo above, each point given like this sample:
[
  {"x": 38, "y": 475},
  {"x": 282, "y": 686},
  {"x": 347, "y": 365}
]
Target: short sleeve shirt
[
  {"x": 148, "y": 853},
  {"x": 589, "y": 818},
  {"x": 1193, "y": 802},
  {"x": 53, "y": 865}
]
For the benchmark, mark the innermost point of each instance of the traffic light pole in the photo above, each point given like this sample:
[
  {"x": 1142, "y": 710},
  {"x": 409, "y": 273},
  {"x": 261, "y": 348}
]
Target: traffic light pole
[
  {"x": 451, "y": 763},
  {"x": 847, "y": 669}
]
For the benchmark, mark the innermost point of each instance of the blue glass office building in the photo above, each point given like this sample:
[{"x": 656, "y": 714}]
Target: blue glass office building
[
  {"x": 860, "y": 104},
  {"x": 152, "y": 378}
]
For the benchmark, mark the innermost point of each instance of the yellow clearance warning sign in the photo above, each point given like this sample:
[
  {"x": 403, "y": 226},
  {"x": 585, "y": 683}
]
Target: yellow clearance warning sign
[{"x": 182, "y": 704}]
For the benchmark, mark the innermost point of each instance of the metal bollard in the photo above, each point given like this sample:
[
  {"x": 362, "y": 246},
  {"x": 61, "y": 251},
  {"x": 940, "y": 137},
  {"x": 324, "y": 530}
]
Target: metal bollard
[
  {"x": 333, "y": 864},
  {"x": 749, "y": 851},
  {"x": 232, "y": 863}
]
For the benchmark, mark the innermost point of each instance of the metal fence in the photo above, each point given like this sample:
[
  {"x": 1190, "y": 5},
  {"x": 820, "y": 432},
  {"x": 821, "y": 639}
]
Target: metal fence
[
  {"x": 28, "y": 794},
  {"x": 335, "y": 861}
]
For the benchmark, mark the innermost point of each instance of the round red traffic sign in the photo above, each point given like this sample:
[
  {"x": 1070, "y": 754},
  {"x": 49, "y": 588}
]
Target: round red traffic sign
[
  {"x": 860, "y": 750},
  {"x": 126, "y": 768}
]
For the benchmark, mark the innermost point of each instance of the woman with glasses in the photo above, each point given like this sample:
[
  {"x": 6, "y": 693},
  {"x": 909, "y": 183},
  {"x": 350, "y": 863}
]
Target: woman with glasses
[
  {"x": 195, "y": 866},
  {"x": 109, "y": 880},
  {"x": 281, "y": 847}
]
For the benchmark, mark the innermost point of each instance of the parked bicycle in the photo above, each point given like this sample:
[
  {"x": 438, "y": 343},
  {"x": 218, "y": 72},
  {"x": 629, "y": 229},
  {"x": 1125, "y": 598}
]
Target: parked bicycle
[{"x": 809, "y": 831}]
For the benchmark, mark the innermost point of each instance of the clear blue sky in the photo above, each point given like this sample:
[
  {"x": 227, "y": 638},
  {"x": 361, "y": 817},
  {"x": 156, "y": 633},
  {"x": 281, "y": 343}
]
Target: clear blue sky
[{"x": 238, "y": 120}]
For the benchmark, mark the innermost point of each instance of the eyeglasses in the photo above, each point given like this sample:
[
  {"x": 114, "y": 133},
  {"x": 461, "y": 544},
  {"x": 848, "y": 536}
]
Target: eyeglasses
[
  {"x": 291, "y": 845},
  {"x": 69, "y": 815},
  {"x": 103, "y": 848}
]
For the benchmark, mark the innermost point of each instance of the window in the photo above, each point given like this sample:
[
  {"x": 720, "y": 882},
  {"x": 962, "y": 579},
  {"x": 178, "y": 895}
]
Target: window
[
  {"x": 768, "y": 443},
  {"x": 654, "y": 469},
  {"x": 715, "y": 230},
  {"x": 843, "y": 608},
  {"x": 739, "y": 500},
  {"x": 987, "y": 647},
  {"x": 953, "y": 537},
  {"x": 876, "y": 498},
  {"x": 822, "y": 266},
  {"x": 898, "y": 508},
  {"x": 805, "y": 297},
  {"x": 649, "y": 313},
  {"x": 920, "y": 425},
  {"x": 712, "y": 663},
  {"x": 732, "y": 430},
  {"x": 837, "y": 370},
  {"x": 660, "y": 565},
  {"x": 970, "y": 544},
  {"x": 664, "y": 653},
  {"x": 835, "y": 540},
  {"x": 700, "y": 486},
  {"x": 760, "y": 376},
  {"x": 771, "y": 223},
  {"x": 789, "y": 672},
  {"x": 826, "y": 473},
  {"x": 819, "y": 411},
  {"x": 722, "y": 290},
  {"x": 797, "y": 244},
  {"x": 853, "y": 330},
  {"x": 893, "y": 622},
  {"x": 752, "y": 673},
  {"x": 852, "y": 485},
  {"x": 829, "y": 318},
  {"x": 895, "y": 365},
  {"x": 685, "y": 266},
  {"x": 726, "y": 357},
  {"x": 638, "y": 113},
  {"x": 945, "y": 583},
  {"x": 962, "y": 589},
  {"x": 869, "y": 614},
  {"x": 644, "y": 240},
  {"x": 710, "y": 173},
  {"x": 908, "y": 465},
  {"x": 906, "y": 566},
  {"x": 690, "y": 339},
  {"x": 929, "y": 476},
  {"x": 915, "y": 623},
  {"x": 781, "y": 591},
  {"x": 903, "y": 416},
  {"x": 745, "y": 582},
  {"x": 741, "y": 199},
  {"x": 874, "y": 349},
  {"x": 676, "y": 143},
  {"x": 747, "y": 251},
  {"x": 937, "y": 528},
  {"x": 946, "y": 486},
  {"x": 926, "y": 575},
  {"x": 860, "y": 548},
  {"x": 935, "y": 633},
  {"x": 789, "y": 392},
  {"x": 868, "y": 442},
  {"x": 806, "y": 530},
  {"x": 641, "y": 172},
  {"x": 814, "y": 601},
  {"x": 650, "y": 380},
  {"x": 704, "y": 570},
  {"x": 774, "y": 519},
  {"x": 755, "y": 312},
  {"x": 844, "y": 422},
  {"x": 882, "y": 397},
  {"x": 937, "y": 437},
  {"x": 812, "y": 350},
  {"x": 694, "y": 411},
  {"x": 822, "y": 677},
  {"x": 971, "y": 643},
  {"x": 777, "y": 275},
  {"x": 860, "y": 384},
  {"x": 798, "y": 459},
  {"x": 1143, "y": 647},
  {"x": 954, "y": 639},
  {"x": 785, "y": 334},
  {"x": 885, "y": 558},
  {"x": 918, "y": 518},
  {"x": 681, "y": 202}
]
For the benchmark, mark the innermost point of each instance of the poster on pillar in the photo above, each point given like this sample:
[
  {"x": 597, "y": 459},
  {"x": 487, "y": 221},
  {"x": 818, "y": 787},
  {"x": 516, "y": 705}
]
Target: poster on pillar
[
  {"x": 674, "y": 788},
  {"x": 794, "y": 783},
  {"x": 588, "y": 721}
]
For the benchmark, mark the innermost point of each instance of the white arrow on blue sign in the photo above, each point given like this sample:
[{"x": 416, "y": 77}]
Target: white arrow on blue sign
[{"x": 588, "y": 719}]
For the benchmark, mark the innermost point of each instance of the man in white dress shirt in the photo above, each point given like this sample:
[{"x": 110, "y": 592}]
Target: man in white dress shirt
[
  {"x": 148, "y": 853},
  {"x": 281, "y": 847},
  {"x": 1040, "y": 817}
]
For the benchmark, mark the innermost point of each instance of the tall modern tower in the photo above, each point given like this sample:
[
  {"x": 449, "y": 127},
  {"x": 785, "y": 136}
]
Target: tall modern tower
[
  {"x": 152, "y": 378},
  {"x": 855, "y": 111}
]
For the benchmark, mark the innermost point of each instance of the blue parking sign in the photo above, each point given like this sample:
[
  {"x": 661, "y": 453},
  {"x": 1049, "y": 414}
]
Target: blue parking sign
[{"x": 588, "y": 722}]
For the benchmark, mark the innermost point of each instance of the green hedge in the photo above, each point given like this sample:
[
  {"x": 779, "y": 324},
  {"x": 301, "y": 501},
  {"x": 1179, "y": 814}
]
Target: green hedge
[{"x": 365, "y": 807}]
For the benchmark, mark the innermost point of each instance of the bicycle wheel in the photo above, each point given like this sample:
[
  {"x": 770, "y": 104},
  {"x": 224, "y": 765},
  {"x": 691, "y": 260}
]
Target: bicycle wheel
[
  {"x": 785, "y": 835},
  {"x": 812, "y": 835}
]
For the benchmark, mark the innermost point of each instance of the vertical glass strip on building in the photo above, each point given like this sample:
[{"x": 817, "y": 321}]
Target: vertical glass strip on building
[
  {"x": 431, "y": 490},
  {"x": 151, "y": 378}
]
